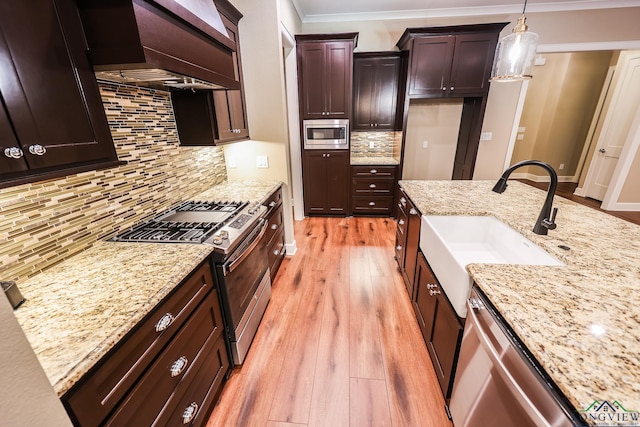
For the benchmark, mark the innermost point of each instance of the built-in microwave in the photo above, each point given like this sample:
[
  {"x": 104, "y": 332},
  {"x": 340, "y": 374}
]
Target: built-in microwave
[{"x": 326, "y": 134}]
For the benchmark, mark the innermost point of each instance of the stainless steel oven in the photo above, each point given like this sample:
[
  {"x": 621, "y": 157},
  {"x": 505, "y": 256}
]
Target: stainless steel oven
[{"x": 326, "y": 134}]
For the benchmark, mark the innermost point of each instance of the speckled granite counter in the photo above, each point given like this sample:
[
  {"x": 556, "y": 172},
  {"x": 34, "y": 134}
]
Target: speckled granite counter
[
  {"x": 78, "y": 310},
  {"x": 582, "y": 321},
  {"x": 381, "y": 161}
]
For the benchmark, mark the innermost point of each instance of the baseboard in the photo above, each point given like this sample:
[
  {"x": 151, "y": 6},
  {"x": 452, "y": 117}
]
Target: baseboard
[
  {"x": 541, "y": 178},
  {"x": 627, "y": 207},
  {"x": 290, "y": 248},
  {"x": 579, "y": 192}
]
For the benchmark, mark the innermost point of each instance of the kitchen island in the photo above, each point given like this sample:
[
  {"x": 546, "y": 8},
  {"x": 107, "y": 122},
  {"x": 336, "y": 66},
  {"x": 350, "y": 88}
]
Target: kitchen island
[
  {"x": 579, "y": 321},
  {"x": 78, "y": 310}
]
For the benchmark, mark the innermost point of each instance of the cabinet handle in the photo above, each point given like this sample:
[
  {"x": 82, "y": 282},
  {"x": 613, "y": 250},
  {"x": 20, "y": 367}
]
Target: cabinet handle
[
  {"x": 401, "y": 222},
  {"x": 413, "y": 211},
  {"x": 274, "y": 226},
  {"x": 398, "y": 248},
  {"x": 178, "y": 366},
  {"x": 189, "y": 413},
  {"x": 272, "y": 204},
  {"x": 372, "y": 186},
  {"x": 164, "y": 322},
  {"x": 444, "y": 88},
  {"x": 373, "y": 171},
  {"x": 403, "y": 201},
  {"x": 432, "y": 292},
  {"x": 13, "y": 153},
  {"x": 276, "y": 252},
  {"x": 328, "y": 155},
  {"x": 431, "y": 286},
  {"x": 37, "y": 149},
  {"x": 372, "y": 203}
]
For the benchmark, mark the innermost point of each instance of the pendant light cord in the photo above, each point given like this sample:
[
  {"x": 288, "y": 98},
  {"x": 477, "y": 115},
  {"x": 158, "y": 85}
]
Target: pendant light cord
[{"x": 525, "y": 6}]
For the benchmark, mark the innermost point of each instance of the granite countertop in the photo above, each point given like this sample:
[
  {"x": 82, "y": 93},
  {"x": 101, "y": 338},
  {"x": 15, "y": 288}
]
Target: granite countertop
[
  {"x": 371, "y": 160},
  {"x": 581, "y": 322},
  {"x": 76, "y": 311}
]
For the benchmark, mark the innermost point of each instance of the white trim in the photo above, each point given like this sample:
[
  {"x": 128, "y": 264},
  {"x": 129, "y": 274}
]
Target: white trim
[
  {"x": 541, "y": 178},
  {"x": 460, "y": 11},
  {"x": 621, "y": 172},
  {"x": 516, "y": 123},
  {"x": 579, "y": 192},
  {"x": 291, "y": 248},
  {"x": 589, "y": 46},
  {"x": 287, "y": 37},
  {"x": 627, "y": 207}
]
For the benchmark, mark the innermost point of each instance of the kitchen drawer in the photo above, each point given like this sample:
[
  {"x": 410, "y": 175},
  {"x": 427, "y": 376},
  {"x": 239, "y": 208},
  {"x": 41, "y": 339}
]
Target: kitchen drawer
[
  {"x": 273, "y": 201},
  {"x": 374, "y": 171},
  {"x": 372, "y": 186},
  {"x": 193, "y": 399},
  {"x": 104, "y": 386},
  {"x": 275, "y": 223},
  {"x": 276, "y": 253},
  {"x": 399, "y": 249},
  {"x": 144, "y": 403},
  {"x": 371, "y": 205}
]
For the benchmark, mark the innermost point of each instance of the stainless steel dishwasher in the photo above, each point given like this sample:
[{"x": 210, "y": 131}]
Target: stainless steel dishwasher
[{"x": 497, "y": 383}]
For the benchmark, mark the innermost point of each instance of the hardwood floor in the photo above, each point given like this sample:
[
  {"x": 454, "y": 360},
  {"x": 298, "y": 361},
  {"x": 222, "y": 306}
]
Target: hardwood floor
[
  {"x": 566, "y": 189},
  {"x": 339, "y": 344}
]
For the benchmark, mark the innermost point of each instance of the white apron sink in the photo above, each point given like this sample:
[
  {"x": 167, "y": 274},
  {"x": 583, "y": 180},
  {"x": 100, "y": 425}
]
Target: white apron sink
[{"x": 451, "y": 242}]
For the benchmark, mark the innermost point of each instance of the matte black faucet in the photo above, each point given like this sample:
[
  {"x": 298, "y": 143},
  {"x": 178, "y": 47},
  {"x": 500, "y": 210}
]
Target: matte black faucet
[{"x": 546, "y": 220}]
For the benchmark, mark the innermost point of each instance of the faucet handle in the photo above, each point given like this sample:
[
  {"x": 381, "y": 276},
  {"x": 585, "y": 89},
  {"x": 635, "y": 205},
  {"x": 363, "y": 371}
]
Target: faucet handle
[{"x": 550, "y": 223}]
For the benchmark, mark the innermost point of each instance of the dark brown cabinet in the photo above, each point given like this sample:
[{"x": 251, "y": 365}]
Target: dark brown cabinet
[
  {"x": 439, "y": 323},
  {"x": 325, "y": 175},
  {"x": 52, "y": 118},
  {"x": 452, "y": 65},
  {"x": 325, "y": 75},
  {"x": 372, "y": 189},
  {"x": 157, "y": 365},
  {"x": 407, "y": 239},
  {"x": 219, "y": 116},
  {"x": 376, "y": 89},
  {"x": 273, "y": 238}
]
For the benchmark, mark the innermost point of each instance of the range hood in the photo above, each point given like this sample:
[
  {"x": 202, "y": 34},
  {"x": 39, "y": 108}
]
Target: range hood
[{"x": 172, "y": 44}]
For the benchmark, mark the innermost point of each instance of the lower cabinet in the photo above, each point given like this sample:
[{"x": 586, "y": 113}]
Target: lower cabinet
[
  {"x": 177, "y": 354},
  {"x": 407, "y": 239},
  {"x": 273, "y": 238},
  {"x": 372, "y": 190},
  {"x": 326, "y": 182},
  {"x": 440, "y": 325}
]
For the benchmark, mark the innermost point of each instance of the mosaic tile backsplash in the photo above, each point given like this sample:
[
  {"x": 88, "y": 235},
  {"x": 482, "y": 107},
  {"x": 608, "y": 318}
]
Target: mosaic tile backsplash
[
  {"x": 44, "y": 223},
  {"x": 384, "y": 144}
]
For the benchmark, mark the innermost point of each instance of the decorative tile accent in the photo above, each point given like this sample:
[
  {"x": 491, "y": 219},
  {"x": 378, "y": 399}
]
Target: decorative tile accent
[
  {"x": 384, "y": 144},
  {"x": 44, "y": 223}
]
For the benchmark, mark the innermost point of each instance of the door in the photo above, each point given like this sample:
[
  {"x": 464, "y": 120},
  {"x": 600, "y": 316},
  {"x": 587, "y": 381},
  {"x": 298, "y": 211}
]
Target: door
[
  {"x": 337, "y": 182},
  {"x": 617, "y": 124},
  {"x": 314, "y": 177},
  {"x": 471, "y": 67},
  {"x": 312, "y": 79},
  {"x": 431, "y": 66},
  {"x": 339, "y": 69}
]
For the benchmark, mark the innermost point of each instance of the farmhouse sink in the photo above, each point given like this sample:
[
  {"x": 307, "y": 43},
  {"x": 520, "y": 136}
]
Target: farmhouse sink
[{"x": 451, "y": 242}]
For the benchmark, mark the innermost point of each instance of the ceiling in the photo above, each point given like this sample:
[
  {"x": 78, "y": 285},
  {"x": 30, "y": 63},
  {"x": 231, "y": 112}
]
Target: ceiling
[{"x": 356, "y": 10}]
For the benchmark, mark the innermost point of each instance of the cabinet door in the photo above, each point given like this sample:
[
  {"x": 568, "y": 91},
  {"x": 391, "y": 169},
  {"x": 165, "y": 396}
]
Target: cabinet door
[
  {"x": 386, "y": 99},
  {"x": 11, "y": 155},
  {"x": 339, "y": 69},
  {"x": 424, "y": 303},
  {"x": 444, "y": 344},
  {"x": 412, "y": 244},
  {"x": 364, "y": 76},
  {"x": 48, "y": 87},
  {"x": 237, "y": 113},
  {"x": 315, "y": 187},
  {"x": 472, "y": 61},
  {"x": 430, "y": 66},
  {"x": 312, "y": 80},
  {"x": 337, "y": 183}
]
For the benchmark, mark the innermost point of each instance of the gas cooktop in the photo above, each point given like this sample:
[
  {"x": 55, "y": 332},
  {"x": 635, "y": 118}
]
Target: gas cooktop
[{"x": 219, "y": 223}]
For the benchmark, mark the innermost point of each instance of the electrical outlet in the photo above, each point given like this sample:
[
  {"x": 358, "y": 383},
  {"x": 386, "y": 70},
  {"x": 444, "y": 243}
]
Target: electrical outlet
[
  {"x": 520, "y": 137},
  {"x": 262, "y": 161},
  {"x": 231, "y": 162},
  {"x": 522, "y": 129},
  {"x": 372, "y": 144},
  {"x": 486, "y": 136},
  {"x": 425, "y": 144},
  {"x": 561, "y": 166}
]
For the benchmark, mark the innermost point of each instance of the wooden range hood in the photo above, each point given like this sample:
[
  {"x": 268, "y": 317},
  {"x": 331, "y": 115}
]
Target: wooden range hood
[{"x": 159, "y": 43}]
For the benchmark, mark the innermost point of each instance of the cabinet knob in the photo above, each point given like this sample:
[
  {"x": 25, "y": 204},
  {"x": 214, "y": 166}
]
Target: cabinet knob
[
  {"x": 274, "y": 226},
  {"x": 13, "y": 152},
  {"x": 413, "y": 211},
  {"x": 189, "y": 413},
  {"x": 451, "y": 88},
  {"x": 398, "y": 248},
  {"x": 178, "y": 366},
  {"x": 328, "y": 155},
  {"x": 372, "y": 203},
  {"x": 403, "y": 201},
  {"x": 324, "y": 113},
  {"x": 37, "y": 149},
  {"x": 432, "y": 292},
  {"x": 401, "y": 222},
  {"x": 276, "y": 252},
  {"x": 372, "y": 186},
  {"x": 373, "y": 171},
  {"x": 432, "y": 286},
  {"x": 164, "y": 322},
  {"x": 444, "y": 88},
  {"x": 324, "y": 155}
]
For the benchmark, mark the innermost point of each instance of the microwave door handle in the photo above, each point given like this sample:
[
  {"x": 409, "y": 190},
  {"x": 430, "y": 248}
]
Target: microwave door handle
[
  {"x": 228, "y": 268},
  {"x": 524, "y": 400}
]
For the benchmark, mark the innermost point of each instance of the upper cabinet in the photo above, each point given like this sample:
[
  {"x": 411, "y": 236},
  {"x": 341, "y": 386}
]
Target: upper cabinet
[
  {"x": 219, "y": 116},
  {"x": 450, "y": 61},
  {"x": 376, "y": 91},
  {"x": 52, "y": 121},
  {"x": 325, "y": 70}
]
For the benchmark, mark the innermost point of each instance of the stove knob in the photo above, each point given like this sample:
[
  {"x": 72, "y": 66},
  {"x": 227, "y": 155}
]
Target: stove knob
[
  {"x": 217, "y": 240},
  {"x": 224, "y": 234}
]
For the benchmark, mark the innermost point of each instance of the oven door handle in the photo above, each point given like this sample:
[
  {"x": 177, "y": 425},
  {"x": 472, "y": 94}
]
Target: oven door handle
[{"x": 228, "y": 268}]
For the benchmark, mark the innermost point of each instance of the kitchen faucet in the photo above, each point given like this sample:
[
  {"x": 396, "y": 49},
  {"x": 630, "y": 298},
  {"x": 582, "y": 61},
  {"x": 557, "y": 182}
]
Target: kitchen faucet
[{"x": 546, "y": 221}]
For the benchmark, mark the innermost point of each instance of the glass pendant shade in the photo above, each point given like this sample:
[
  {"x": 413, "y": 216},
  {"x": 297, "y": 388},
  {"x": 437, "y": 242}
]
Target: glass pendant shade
[{"x": 515, "y": 54}]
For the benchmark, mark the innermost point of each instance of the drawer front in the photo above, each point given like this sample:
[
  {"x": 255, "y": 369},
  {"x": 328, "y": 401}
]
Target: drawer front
[
  {"x": 374, "y": 171},
  {"x": 149, "y": 396},
  {"x": 399, "y": 250},
  {"x": 276, "y": 253},
  {"x": 402, "y": 223},
  {"x": 273, "y": 201},
  {"x": 193, "y": 399},
  {"x": 105, "y": 386},
  {"x": 372, "y": 186},
  {"x": 275, "y": 223},
  {"x": 372, "y": 204}
]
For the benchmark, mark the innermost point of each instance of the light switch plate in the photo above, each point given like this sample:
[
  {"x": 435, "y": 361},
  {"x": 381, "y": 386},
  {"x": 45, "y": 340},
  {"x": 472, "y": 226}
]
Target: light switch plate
[
  {"x": 486, "y": 136},
  {"x": 231, "y": 162},
  {"x": 372, "y": 144},
  {"x": 262, "y": 162}
]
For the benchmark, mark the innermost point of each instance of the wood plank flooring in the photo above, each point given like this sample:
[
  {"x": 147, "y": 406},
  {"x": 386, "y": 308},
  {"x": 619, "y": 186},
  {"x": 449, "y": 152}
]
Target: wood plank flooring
[{"x": 339, "y": 344}]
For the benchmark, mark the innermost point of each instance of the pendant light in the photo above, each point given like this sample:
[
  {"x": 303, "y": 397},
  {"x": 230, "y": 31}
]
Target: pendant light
[{"x": 515, "y": 53}]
